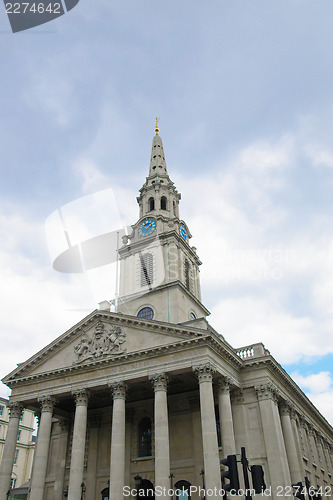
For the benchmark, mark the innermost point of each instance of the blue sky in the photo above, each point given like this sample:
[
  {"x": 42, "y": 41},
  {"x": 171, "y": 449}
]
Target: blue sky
[{"x": 244, "y": 93}]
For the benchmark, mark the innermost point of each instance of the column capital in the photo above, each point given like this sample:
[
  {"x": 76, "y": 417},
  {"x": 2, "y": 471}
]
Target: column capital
[
  {"x": 311, "y": 430},
  {"x": 302, "y": 421},
  {"x": 118, "y": 389},
  {"x": 81, "y": 397},
  {"x": 159, "y": 381},
  {"x": 267, "y": 391},
  {"x": 326, "y": 444},
  {"x": 15, "y": 409},
  {"x": 204, "y": 372},
  {"x": 223, "y": 385},
  {"x": 47, "y": 403},
  {"x": 285, "y": 408},
  {"x": 293, "y": 413}
]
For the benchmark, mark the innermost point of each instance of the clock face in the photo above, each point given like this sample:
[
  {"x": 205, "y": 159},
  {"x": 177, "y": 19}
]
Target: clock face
[
  {"x": 147, "y": 227},
  {"x": 183, "y": 233}
]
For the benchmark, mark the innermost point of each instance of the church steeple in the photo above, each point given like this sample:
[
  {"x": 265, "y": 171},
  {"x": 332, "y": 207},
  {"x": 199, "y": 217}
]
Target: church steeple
[
  {"x": 157, "y": 159},
  {"x": 159, "y": 269},
  {"x": 158, "y": 195}
]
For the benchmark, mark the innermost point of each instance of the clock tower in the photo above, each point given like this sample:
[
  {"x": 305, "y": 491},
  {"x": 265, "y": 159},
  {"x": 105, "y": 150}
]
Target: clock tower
[{"x": 159, "y": 269}]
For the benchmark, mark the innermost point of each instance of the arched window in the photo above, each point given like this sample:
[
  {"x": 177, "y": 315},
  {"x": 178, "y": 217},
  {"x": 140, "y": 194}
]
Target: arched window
[
  {"x": 174, "y": 208},
  {"x": 147, "y": 269},
  {"x": 182, "y": 489},
  {"x": 187, "y": 274},
  {"x": 144, "y": 448},
  {"x": 151, "y": 203},
  {"x": 192, "y": 316},
  {"x": 146, "y": 313},
  {"x": 163, "y": 203}
]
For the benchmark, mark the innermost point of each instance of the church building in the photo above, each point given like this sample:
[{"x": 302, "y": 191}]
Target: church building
[{"x": 150, "y": 398}]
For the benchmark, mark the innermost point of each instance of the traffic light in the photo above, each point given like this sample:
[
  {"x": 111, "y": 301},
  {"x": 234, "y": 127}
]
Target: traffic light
[
  {"x": 258, "y": 481},
  {"x": 299, "y": 490},
  {"x": 231, "y": 474}
]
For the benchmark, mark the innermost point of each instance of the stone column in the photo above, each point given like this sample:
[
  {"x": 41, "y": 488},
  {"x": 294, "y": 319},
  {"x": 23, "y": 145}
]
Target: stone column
[
  {"x": 296, "y": 431},
  {"x": 7, "y": 462},
  {"x": 238, "y": 418},
  {"x": 313, "y": 445},
  {"x": 289, "y": 441},
  {"x": 94, "y": 423},
  {"x": 273, "y": 437},
  {"x": 162, "y": 454},
  {"x": 208, "y": 425},
  {"x": 42, "y": 449},
  {"x": 78, "y": 444},
  {"x": 117, "y": 463},
  {"x": 330, "y": 453},
  {"x": 197, "y": 442},
  {"x": 62, "y": 449},
  {"x": 326, "y": 448},
  {"x": 128, "y": 441},
  {"x": 226, "y": 421},
  {"x": 304, "y": 437}
]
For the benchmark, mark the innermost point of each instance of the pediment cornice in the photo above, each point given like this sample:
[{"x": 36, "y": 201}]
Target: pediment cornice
[
  {"x": 183, "y": 333},
  {"x": 194, "y": 339}
]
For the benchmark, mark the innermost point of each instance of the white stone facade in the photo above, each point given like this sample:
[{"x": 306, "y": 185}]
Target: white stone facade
[{"x": 160, "y": 399}]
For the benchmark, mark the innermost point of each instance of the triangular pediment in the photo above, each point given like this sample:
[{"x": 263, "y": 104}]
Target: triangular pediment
[{"x": 103, "y": 336}]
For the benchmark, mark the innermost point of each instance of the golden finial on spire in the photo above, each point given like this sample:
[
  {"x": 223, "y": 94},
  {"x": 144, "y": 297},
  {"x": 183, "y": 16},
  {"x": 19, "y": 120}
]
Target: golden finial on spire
[{"x": 156, "y": 126}]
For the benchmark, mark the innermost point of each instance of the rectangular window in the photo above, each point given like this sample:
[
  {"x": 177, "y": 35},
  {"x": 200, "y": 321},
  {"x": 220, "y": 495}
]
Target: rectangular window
[
  {"x": 12, "y": 482},
  {"x": 147, "y": 269},
  {"x": 1, "y": 410},
  {"x": 16, "y": 456},
  {"x": 18, "y": 435}
]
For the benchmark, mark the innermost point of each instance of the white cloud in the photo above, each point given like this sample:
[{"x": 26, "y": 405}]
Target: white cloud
[
  {"x": 251, "y": 319},
  {"x": 37, "y": 304},
  {"x": 319, "y": 389},
  {"x": 317, "y": 383}
]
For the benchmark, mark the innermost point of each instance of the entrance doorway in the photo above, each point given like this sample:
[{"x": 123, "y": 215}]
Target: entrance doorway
[
  {"x": 184, "y": 490},
  {"x": 105, "y": 494},
  {"x": 145, "y": 490}
]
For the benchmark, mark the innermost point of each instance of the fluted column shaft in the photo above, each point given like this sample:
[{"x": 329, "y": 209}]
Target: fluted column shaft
[
  {"x": 313, "y": 445},
  {"x": 290, "y": 444},
  {"x": 295, "y": 427},
  {"x": 78, "y": 445},
  {"x": 226, "y": 421},
  {"x": 162, "y": 453},
  {"x": 117, "y": 462},
  {"x": 61, "y": 465},
  {"x": 273, "y": 437},
  {"x": 9, "y": 449},
  {"x": 42, "y": 449},
  {"x": 208, "y": 425}
]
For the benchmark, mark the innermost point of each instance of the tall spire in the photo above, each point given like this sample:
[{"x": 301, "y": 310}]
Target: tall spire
[
  {"x": 156, "y": 126},
  {"x": 158, "y": 195},
  {"x": 157, "y": 159}
]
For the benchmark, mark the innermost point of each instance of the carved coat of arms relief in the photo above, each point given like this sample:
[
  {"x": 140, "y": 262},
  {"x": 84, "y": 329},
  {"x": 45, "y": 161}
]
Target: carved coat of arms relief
[{"x": 106, "y": 340}]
